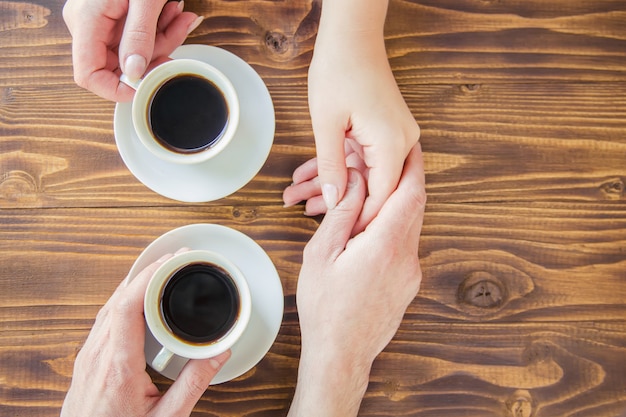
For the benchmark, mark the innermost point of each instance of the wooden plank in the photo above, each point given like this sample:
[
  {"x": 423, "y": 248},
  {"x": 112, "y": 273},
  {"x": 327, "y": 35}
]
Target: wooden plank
[
  {"x": 93, "y": 249},
  {"x": 482, "y": 263},
  {"x": 428, "y": 41},
  {"x": 477, "y": 370},
  {"x": 489, "y": 370},
  {"x": 441, "y": 42},
  {"x": 521, "y": 142},
  {"x": 522, "y": 310}
]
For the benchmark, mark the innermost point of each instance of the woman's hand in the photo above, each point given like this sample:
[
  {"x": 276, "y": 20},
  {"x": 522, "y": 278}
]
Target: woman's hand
[
  {"x": 353, "y": 95},
  {"x": 111, "y": 37}
]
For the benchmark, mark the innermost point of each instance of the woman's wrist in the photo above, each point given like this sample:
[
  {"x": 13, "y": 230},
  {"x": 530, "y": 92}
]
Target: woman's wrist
[{"x": 353, "y": 18}]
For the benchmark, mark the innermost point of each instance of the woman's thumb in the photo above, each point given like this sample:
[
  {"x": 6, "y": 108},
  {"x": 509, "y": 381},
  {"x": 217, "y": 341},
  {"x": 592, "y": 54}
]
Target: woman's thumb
[
  {"x": 137, "y": 43},
  {"x": 331, "y": 164}
]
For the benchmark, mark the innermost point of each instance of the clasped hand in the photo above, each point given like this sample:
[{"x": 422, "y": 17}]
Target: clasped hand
[
  {"x": 353, "y": 291},
  {"x": 360, "y": 120}
]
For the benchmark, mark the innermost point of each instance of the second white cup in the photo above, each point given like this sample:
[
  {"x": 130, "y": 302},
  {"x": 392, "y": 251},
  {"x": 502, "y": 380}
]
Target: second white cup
[{"x": 197, "y": 305}]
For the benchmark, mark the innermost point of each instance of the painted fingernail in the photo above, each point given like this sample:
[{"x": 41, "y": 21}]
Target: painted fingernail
[
  {"x": 135, "y": 67},
  {"x": 194, "y": 25},
  {"x": 181, "y": 5},
  {"x": 330, "y": 194}
]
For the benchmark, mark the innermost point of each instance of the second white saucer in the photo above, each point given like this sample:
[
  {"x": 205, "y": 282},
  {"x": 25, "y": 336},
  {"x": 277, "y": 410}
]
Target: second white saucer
[
  {"x": 265, "y": 289},
  {"x": 225, "y": 173}
]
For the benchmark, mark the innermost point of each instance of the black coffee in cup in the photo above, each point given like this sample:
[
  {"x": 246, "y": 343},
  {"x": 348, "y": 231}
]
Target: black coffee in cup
[
  {"x": 200, "y": 303},
  {"x": 187, "y": 113}
]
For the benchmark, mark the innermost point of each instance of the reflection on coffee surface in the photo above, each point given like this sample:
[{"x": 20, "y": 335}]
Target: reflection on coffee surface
[
  {"x": 188, "y": 113},
  {"x": 200, "y": 303}
]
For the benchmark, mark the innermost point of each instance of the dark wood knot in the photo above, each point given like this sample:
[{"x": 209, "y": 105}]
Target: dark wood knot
[
  {"x": 471, "y": 88},
  {"x": 614, "y": 188},
  {"x": 18, "y": 186},
  {"x": 520, "y": 404},
  {"x": 276, "y": 42},
  {"x": 28, "y": 17},
  {"x": 482, "y": 290},
  {"x": 245, "y": 213}
]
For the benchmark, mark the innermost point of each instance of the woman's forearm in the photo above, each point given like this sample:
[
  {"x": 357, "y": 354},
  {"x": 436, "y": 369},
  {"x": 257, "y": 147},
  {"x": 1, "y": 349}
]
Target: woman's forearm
[{"x": 356, "y": 17}]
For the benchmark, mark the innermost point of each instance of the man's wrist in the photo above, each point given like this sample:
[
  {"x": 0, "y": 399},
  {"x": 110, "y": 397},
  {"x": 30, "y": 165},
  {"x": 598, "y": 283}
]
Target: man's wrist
[{"x": 329, "y": 385}]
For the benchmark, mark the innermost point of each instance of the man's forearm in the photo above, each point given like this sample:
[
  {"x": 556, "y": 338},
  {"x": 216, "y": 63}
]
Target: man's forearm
[{"x": 328, "y": 388}]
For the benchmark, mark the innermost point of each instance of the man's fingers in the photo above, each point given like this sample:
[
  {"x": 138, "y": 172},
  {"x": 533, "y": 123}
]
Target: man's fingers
[
  {"x": 415, "y": 169},
  {"x": 403, "y": 213},
  {"x": 332, "y": 235},
  {"x": 384, "y": 167},
  {"x": 127, "y": 318},
  {"x": 194, "y": 379}
]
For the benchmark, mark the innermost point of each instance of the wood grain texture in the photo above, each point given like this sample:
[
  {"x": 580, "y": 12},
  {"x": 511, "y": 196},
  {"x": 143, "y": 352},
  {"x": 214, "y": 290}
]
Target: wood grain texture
[
  {"x": 540, "y": 262},
  {"x": 557, "y": 327},
  {"x": 522, "y": 105},
  {"x": 477, "y": 370},
  {"x": 496, "y": 142}
]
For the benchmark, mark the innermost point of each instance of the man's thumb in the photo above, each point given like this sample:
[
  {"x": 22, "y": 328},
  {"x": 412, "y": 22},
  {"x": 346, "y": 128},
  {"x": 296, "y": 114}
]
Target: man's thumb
[
  {"x": 194, "y": 379},
  {"x": 137, "y": 43},
  {"x": 333, "y": 234}
]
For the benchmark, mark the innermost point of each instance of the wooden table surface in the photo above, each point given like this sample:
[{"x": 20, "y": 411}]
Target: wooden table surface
[{"x": 522, "y": 105}]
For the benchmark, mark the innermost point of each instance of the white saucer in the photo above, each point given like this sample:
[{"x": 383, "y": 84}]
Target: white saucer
[
  {"x": 225, "y": 173},
  {"x": 265, "y": 288}
]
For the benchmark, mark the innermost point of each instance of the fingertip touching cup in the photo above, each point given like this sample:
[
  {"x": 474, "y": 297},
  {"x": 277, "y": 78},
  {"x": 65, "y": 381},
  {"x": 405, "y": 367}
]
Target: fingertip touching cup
[{"x": 184, "y": 111}]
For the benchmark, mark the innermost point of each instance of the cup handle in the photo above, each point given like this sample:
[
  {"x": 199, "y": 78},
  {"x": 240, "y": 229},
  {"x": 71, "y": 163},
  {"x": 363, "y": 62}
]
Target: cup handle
[
  {"x": 162, "y": 359},
  {"x": 132, "y": 84}
]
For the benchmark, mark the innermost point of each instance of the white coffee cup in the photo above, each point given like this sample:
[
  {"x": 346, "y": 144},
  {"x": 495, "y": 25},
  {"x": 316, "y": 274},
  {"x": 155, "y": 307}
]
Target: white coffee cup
[
  {"x": 161, "y": 326},
  {"x": 147, "y": 88}
]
